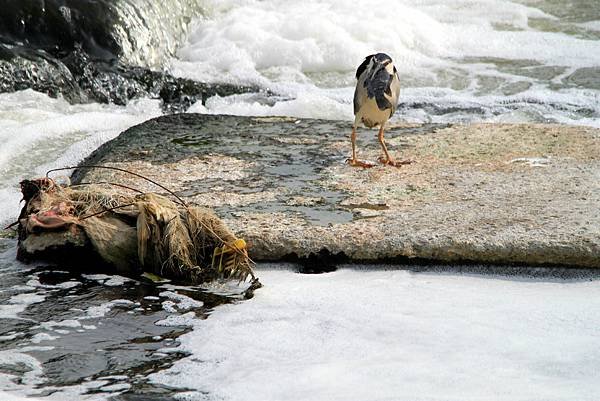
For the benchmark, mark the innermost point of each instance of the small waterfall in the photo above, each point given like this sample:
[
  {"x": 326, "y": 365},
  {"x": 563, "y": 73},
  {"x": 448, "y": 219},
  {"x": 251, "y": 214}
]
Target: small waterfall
[
  {"x": 149, "y": 32},
  {"x": 136, "y": 32}
]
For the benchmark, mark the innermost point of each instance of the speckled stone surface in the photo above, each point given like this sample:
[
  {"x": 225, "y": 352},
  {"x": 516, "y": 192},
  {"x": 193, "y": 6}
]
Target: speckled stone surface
[{"x": 488, "y": 193}]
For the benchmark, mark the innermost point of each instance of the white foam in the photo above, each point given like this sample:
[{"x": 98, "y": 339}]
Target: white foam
[
  {"x": 30, "y": 370},
  {"x": 254, "y": 39},
  {"x": 169, "y": 306},
  {"x": 375, "y": 335},
  {"x": 101, "y": 278},
  {"x": 10, "y": 336},
  {"x": 115, "y": 377},
  {"x": 230, "y": 288},
  {"x": 305, "y": 105},
  {"x": 72, "y": 323},
  {"x": 591, "y": 25},
  {"x": 116, "y": 281},
  {"x": 180, "y": 301},
  {"x": 87, "y": 391},
  {"x": 94, "y": 312},
  {"x": 105, "y": 279},
  {"x": 34, "y": 282},
  {"x": 435, "y": 44},
  {"x": 18, "y": 303},
  {"x": 65, "y": 285},
  {"x": 187, "y": 319},
  {"x": 539, "y": 105},
  {"x": 39, "y": 337}
]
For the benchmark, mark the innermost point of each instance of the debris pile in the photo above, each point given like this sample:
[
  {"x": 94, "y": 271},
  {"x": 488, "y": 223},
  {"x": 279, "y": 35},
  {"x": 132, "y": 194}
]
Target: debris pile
[{"x": 98, "y": 224}]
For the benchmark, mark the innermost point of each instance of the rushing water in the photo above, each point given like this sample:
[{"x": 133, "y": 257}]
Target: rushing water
[
  {"x": 459, "y": 60},
  {"x": 347, "y": 335}
]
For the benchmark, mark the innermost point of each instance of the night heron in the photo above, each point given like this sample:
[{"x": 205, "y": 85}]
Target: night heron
[{"x": 375, "y": 100}]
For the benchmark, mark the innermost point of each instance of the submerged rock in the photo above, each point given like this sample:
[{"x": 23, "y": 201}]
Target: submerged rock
[{"x": 485, "y": 193}]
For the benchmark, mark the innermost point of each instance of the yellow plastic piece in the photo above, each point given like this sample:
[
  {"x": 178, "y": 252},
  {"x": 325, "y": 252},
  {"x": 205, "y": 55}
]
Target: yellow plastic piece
[
  {"x": 239, "y": 244},
  {"x": 227, "y": 253}
]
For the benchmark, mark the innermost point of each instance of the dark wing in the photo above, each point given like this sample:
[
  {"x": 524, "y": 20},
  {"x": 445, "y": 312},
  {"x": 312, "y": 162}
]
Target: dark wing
[
  {"x": 394, "y": 91},
  {"x": 363, "y": 66}
]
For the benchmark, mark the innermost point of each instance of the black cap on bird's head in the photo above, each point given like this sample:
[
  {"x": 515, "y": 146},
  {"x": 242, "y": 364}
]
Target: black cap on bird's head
[
  {"x": 381, "y": 58},
  {"x": 373, "y": 60}
]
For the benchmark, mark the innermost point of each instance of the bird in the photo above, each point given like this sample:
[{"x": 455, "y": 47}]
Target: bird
[{"x": 375, "y": 101}]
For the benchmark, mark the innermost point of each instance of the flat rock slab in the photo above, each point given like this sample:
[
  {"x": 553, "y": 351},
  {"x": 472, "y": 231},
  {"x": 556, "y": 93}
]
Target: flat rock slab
[{"x": 486, "y": 193}]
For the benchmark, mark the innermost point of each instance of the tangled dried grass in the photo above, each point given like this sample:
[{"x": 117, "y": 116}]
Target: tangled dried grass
[{"x": 147, "y": 231}]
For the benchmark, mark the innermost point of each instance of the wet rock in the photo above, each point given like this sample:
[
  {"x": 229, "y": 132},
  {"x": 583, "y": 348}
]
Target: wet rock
[
  {"x": 80, "y": 78},
  {"x": 485, "y": 193},
  {"x": 20, "y": 69},
  {"x": 143, "y": 32}
]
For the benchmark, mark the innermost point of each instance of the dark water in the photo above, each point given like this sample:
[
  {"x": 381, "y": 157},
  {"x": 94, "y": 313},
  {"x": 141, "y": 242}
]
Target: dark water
[{"x": 90, "y": 333}]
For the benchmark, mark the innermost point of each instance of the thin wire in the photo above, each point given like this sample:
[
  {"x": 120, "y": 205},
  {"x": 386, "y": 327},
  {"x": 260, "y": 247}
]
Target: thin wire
[
  {"x": 11, "y": 225},
  {"x": 181, "y": 201},
  {"x": 109, "y": 183}
]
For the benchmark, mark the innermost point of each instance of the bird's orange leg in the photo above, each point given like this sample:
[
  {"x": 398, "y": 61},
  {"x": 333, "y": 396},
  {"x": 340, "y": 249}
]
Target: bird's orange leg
[
  {"x": 354, "y": 162},
  {"x": 388, "y": 159}
]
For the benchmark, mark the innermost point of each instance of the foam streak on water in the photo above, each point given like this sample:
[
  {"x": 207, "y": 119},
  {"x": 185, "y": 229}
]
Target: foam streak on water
[{"x": 460, "y": 60}]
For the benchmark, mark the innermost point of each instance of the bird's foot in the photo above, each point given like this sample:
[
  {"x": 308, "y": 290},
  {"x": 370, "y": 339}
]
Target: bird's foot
[
  {"x": 393, "y": 163},
  {"x": 358, "y": 163}
]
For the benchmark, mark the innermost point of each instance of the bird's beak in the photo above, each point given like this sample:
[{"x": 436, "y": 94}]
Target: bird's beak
[{"x": 379, "y": 65}]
